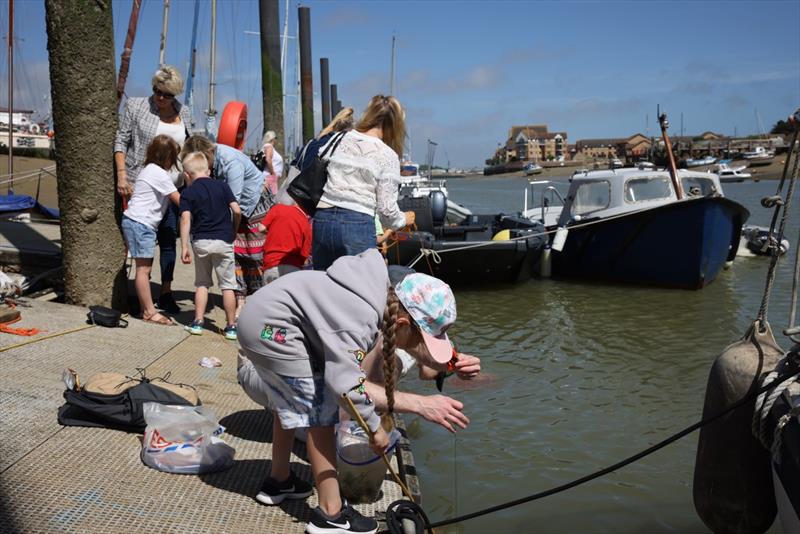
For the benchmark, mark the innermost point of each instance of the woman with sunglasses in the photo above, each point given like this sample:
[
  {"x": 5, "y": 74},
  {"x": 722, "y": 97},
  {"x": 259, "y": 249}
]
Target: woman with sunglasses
[{"x": 141, "y": 121}]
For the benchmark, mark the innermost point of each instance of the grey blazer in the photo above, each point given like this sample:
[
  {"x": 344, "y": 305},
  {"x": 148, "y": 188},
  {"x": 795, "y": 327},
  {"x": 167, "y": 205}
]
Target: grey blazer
[{"x": 137, "y": 127}]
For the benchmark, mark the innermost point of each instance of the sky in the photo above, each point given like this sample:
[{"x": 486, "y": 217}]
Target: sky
[{"x": 466, "y": 71}]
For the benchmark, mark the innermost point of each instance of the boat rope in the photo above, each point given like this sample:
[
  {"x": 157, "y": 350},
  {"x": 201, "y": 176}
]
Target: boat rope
[
  {"x": 766, "y": 400},
  {"x": 776, "y": 440},
  {"x": 23, "y": 174},
  {"x": 793, "y": 372},
  {"x": 779, "y": 204}
]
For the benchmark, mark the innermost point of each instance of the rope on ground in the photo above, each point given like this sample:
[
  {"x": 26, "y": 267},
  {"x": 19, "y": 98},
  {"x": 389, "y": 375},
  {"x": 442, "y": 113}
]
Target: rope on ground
[
  {"x": 793, "y": 373},
  {"x": 36, "y": 340}
]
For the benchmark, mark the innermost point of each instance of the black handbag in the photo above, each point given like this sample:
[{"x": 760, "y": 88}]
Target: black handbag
[
  {"x": 306, "y": 188},
  {"x": 102, "y": 316}
]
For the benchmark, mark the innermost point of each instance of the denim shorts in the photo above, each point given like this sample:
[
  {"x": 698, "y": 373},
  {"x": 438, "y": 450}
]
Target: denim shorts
[
  {"x": 140, "y": 238},
  {"x": 340, "y": 232},
  {"x": 297, "y": 401}
]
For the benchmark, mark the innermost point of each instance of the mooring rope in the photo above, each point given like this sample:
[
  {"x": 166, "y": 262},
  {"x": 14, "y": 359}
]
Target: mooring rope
[
  {"x": 775, "y": 240},
  {"x": 792, "y": 373}
]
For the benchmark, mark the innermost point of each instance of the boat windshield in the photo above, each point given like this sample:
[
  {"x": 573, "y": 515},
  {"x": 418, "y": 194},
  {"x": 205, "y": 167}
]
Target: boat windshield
[
  {"x": 698, "y": 187},
  {"x": 591, "y": 196},
  {"x": 643, "y": 189}
]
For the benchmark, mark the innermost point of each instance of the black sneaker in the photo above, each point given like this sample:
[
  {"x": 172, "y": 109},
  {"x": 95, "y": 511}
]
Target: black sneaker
[
  {"x": 273, "y": 492},
  {"x": 348, "y": 520},
  {"x": 167, "y": 303}
]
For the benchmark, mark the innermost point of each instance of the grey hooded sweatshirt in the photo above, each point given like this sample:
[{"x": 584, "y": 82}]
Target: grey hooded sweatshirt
[{"x": 320, "y": 321}]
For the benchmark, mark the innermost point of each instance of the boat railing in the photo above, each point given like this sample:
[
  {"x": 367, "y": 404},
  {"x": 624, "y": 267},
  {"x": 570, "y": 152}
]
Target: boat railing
[{"x": 549, "y": 194}]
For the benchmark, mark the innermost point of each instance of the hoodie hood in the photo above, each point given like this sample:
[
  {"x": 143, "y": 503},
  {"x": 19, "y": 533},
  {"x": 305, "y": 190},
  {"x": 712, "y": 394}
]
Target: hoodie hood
[{"x": 365, "y": 275}]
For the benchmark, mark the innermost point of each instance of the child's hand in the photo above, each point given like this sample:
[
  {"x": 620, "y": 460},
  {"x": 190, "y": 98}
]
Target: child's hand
[
  {"x": 443, "y": 411},
  {"x": 378, "y": 441},
  {"x": 467, "y": 366},
  {"x": 186, "y": 256}
]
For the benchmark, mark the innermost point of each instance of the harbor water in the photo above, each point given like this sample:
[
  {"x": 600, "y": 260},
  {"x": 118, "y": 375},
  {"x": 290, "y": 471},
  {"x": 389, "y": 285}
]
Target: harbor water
[{"x": 579, "y": 376}]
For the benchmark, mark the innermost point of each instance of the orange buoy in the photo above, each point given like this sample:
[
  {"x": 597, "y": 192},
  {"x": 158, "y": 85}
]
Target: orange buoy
[{"x": 233, "y": 125}]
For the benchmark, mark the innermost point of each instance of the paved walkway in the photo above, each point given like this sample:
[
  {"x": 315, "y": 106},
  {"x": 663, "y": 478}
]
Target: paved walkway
[{"x": 70, "y": 479}]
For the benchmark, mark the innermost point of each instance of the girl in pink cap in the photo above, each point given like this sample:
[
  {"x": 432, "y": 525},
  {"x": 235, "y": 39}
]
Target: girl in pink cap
[{"x": 308, "y": 334}]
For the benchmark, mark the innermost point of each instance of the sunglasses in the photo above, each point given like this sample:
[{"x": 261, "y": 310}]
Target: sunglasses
[{"x": 162, "y": 94}]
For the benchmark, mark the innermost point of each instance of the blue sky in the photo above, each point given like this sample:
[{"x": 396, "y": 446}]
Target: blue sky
[{"x": 468, "y": 70}]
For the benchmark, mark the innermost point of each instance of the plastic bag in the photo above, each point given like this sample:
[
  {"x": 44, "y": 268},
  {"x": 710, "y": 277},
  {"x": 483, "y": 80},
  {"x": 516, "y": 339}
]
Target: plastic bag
[
  {"x": 183, "y": 439},
  {"x": 361, "y": 471}
]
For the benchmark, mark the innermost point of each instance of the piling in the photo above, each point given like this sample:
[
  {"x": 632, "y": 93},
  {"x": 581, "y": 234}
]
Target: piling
[
  {"x": 334, "y": 99},
  {"x": 271, "y": 85},
  {"x": 325, "y": 90},
  {"x": 306, "y": 80}
]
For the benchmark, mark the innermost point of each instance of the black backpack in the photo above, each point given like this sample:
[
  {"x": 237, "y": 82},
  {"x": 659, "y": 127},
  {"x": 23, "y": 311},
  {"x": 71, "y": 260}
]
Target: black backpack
[
  {"x": 259, "y": 159},
  {"x": 122, "y": 411}
]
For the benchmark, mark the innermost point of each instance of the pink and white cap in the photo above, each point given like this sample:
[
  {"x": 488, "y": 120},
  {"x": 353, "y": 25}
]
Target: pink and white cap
[{"x": 431, "y": 304}]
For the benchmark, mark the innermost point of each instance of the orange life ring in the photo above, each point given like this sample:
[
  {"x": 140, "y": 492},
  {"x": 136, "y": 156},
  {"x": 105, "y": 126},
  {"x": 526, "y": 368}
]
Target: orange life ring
[{"x": 233, "y": 125}]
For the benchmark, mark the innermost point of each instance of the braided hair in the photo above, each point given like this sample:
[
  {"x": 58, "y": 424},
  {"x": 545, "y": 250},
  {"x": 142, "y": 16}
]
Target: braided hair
[{"x": 390, "y": 345}]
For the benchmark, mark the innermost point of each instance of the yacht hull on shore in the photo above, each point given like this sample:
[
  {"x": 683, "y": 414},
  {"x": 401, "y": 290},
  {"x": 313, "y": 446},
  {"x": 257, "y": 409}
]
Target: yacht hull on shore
[{"x": 682, "y": 244}]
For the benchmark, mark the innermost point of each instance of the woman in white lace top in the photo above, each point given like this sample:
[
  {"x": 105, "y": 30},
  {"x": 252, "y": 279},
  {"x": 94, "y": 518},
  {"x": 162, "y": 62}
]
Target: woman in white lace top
[{"x": 363, "y": 176}]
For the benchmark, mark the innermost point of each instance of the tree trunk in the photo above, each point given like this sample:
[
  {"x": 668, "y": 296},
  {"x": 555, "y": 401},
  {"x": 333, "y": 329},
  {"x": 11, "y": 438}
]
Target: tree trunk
[{"x": 80, "y": 42}]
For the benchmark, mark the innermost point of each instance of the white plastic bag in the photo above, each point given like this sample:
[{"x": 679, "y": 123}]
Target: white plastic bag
[{"x": 183, "y": 439}]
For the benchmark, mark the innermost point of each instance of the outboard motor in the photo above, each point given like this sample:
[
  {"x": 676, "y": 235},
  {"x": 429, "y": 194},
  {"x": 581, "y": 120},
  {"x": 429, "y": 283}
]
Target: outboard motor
[{"x": 438, "y": 207}]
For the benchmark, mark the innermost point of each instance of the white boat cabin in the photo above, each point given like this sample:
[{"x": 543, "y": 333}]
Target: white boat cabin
[{"x": 613, "y": 192}]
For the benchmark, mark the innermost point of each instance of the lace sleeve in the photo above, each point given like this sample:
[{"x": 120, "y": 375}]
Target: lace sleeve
[{"x": 389, "y": 212}]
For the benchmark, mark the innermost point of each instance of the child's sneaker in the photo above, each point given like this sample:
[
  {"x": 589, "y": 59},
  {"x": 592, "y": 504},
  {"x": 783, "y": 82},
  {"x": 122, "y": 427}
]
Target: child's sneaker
[
  {"x": 348, "y": 520},
  {"x": 230, "y": 333},
  {"x": 275, "y": 492},
  {"x": 196, "y": 328}
]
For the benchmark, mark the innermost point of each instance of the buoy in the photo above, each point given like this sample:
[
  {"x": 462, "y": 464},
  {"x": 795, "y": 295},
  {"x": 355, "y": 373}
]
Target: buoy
[
  {"x": 233, "y": 125},
  {"x": 732, "y": 484},
  {"x": 502, "y": 235}
]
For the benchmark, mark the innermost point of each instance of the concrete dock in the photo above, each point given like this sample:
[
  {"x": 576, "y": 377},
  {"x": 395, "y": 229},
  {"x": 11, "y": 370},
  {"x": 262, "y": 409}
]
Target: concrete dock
[{"x": 72, "y": 479}]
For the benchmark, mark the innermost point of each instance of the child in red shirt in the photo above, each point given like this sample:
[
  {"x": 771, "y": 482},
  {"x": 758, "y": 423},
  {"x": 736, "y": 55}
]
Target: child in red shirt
[{"x": 288, "y": 242}]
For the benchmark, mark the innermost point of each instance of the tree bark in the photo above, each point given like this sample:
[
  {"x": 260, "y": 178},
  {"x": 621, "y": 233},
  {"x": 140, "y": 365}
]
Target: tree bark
[{"x": 80, "y": 43}]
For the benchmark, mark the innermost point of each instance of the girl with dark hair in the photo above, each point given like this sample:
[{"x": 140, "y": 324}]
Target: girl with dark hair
[
  {"x": 307, "y": 336},
  {"x": 153, "y": 192}
]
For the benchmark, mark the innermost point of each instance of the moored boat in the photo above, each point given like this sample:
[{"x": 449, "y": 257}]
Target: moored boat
[
  {"x": 630, "y": 226},
  {"x": 532, "y": 168},
  {"x": 480, "y": 249},
  {"x": 728, "y": 174},
  {"x": 699, "y": 162},
  {"x": 759, "y": 156}
]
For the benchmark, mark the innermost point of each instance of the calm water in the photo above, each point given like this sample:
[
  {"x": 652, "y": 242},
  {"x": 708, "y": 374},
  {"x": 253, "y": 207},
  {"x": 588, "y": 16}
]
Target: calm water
[{"x": 585, "y": 375}]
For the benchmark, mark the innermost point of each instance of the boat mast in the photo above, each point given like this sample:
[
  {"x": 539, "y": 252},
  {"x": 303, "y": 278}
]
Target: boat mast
[
  {"x": 211, "y": 113},
  {"x": 164, "y": 24},
  {"x": 125, "y": 60},
  {"x": 391, "y": 70},
  {"x": 11, "y": 96},
  {"x": 192, "y": 57},
  {"x": 673, "y": 170}
]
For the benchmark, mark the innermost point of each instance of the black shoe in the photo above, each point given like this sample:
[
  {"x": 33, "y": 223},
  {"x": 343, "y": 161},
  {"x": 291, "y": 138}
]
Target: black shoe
[
  {"x": 275, "y": 492},
  {"x": 348, "y": 520},
  {"x": 167, "y": 303}
]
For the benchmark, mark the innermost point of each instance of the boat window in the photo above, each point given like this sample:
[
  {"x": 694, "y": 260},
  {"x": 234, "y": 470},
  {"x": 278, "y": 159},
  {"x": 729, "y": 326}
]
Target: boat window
[
  {"x": 652, "y": 188},
  {"x": 591, "y": 196},
  {"x": 697, "y": 186}
]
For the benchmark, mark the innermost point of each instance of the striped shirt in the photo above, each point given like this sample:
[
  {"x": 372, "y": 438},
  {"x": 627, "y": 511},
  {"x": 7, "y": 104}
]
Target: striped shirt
[{"x": 138, "y": 125}]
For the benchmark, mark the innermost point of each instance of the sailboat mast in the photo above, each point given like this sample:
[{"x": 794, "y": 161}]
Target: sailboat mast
[
  {"x": 192, "y": 58},
  {"x": 391, "y": 71},
  {"x": 11, "y": 96},
  {"x": 164, "y": 25},
  {"x": 211, "y": 112},
  {"x": 125, "y": 60}
]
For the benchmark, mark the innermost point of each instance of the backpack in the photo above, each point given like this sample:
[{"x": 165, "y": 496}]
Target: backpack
[
  {"x": 259, "y": 159},
  {"x": 103, "y": 316},
  {"x": 113, "y": 400}
]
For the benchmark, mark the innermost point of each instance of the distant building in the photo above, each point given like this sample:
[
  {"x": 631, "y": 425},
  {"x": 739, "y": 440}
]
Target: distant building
[
  {"x": 631, "y": 148},
  {"x": 535, "y": 143}
]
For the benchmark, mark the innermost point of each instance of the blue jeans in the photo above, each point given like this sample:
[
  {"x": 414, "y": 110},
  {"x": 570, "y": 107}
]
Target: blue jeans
[
  {"x": 339, "y": 232},
  {"x": 167, "y": 235}
]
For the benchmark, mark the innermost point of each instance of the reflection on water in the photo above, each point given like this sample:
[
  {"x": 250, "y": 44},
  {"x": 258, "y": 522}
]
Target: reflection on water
[{"x": 585, "y": 375}]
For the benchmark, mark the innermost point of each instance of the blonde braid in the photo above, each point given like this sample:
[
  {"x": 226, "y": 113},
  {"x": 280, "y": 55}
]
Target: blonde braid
[{"x": 389, "y": 346}]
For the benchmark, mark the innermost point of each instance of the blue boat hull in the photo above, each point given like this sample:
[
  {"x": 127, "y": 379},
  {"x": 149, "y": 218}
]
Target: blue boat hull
[{"x": 682, "y": 245}]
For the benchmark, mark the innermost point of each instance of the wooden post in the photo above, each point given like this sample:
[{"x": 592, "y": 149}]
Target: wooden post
[
  {"x": 306, "y": 79},
  {"x": 271, "y": 74}
]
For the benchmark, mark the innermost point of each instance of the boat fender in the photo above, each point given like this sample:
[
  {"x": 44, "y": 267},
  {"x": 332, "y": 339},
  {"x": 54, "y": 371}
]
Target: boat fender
[
  {"x": 233, "y": 125},
  {"x": 732, "y": 488}
]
